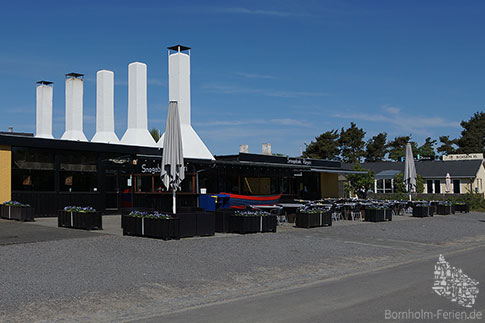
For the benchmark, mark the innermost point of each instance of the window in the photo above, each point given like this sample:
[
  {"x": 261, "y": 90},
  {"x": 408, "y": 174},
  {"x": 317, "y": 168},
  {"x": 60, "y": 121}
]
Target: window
[
  {"x": 387, "y": 185},
  {"x": 380, "y": 186},
  {"x": 32, "y": 169},
  {"x": 437, "y": 186},
  {"x": 77, "y": 171},
  {"x": 429, "y": 186},
  {"x": 143, "y": 184},
  {"x": 456, "y": 186}
]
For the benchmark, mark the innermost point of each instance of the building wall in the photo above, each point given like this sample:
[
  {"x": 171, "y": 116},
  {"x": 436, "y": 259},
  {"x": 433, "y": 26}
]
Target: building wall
[
  {"x": 5, "y": 174},
  {"x": 329, "y": 184},
  {"x": 479, "y": 183}
]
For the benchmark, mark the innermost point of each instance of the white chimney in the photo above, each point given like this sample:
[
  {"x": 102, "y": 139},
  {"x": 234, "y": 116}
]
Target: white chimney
[
  {"x": 105, "y": 127},
  {"x": 179, "y": 90},
  {"x": 266, "y": 148},
  {"x": 137, "y": 133},
  {"x": 43, "y": 117},
  {"x": 74, "y": 108},
  {"x": 243, "y": 149}
]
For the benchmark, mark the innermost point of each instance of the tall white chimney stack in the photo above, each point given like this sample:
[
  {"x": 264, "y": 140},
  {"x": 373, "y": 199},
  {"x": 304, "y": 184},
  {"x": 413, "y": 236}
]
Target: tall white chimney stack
[
  {"x": 74, "y": 107},
  {"x": 179, "y": 90},
  {"x": 43, "y": 117},
  {"x": 105, "y": 127},
  {"x": 137, "y": 133},
  {"x": 266, "y": 149},
  {"x": 244, "y": 148}
]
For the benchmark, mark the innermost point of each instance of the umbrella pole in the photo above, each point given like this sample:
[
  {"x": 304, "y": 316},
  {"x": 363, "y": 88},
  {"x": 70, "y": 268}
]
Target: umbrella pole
[{"x": 174, "y": 207}]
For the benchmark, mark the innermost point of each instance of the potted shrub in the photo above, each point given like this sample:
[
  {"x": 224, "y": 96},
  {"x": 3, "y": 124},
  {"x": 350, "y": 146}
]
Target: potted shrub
[
  {"x": 247, "y": 221},
  {"x": 14, "y": 210},
  {"x": 78, "y": 217},
  {"x": 151, "y": 224},
  {"x": 312, "y": 216}
]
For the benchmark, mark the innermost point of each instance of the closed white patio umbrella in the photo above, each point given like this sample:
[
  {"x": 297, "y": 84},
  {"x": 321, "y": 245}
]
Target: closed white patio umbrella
[
  {"x": 172, "y": 168},
  {"x": 409, "y": 171},
  {"x": 448, "y": 183}
]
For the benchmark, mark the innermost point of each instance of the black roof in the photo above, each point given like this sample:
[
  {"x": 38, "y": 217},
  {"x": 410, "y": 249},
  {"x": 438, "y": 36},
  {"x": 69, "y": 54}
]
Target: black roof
[
  {"x": 76, "y": 75},
  {"x": 431, "y": 169},
  {"x": 44, "y": 82},
  {"x": 178, "y": 47}
]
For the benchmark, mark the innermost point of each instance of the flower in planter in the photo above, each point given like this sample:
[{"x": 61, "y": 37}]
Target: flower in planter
[
  {"x": 312, "y": 209},
  {"x": 80, "y": 209},
  {"x": 144, "y": 214},
  {"x": 15, "y": 203},
  {"x": 251, "y": 213}
]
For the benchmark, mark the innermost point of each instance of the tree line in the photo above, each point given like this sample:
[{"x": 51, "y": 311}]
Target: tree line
[{"x": 348, "y": 145}]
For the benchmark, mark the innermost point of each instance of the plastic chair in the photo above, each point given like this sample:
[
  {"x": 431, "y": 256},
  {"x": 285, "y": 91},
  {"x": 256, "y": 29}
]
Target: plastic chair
[
  {"x": 336, "y": 213},
  {"x": 280, "y": 215},
  {"x": 355, "y": 212}
]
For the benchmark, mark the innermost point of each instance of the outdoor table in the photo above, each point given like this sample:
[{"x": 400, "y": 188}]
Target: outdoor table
[{"x": 266, "y": 207}]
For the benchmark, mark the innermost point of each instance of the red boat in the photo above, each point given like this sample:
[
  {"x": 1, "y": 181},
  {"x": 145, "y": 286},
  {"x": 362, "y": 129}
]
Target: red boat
[{"x": 237, "y": 201}]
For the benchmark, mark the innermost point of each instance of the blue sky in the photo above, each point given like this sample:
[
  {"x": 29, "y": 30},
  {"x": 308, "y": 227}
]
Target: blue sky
[{"x": 262, "y": 71}]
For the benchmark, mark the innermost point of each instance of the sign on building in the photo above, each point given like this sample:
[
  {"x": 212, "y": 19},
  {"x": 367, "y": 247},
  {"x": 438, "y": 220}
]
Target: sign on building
[{"x": 463, "y": 156}]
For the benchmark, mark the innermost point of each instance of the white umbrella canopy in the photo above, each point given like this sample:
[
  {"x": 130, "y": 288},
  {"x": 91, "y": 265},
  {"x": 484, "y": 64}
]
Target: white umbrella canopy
[
  {"x": 173, "y": 170},
  {"x": 409, "y": 171},
  {"x": 448, "y": 183}
]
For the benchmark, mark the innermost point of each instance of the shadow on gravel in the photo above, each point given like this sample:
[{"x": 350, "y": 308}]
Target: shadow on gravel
[{"x": 13, "y": 232}]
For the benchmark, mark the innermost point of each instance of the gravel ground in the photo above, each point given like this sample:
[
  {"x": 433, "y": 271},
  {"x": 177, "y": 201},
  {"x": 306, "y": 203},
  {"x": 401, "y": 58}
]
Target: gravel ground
[{"x": 111, "y": 278}]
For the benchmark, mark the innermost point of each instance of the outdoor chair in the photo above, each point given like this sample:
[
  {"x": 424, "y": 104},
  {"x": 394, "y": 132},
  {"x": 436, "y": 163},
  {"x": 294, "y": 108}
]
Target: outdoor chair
[
  {"x": 280, "y": 215},
  {"x": 355, "y": 212},
  {"x": 336, "y": 213}
]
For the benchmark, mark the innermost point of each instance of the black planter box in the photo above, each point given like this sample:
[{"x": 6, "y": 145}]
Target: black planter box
[
  {"x": 223, "y": 220},
  {"x": 78, "y": 220},
  {"x": 126, "y": 211},
  {"x": 245, "y": 224},
  {"x": 165, "y": 229},
  {"x": 312, "y": 220},
  {"x": 270, "y": 222},
  {"x": 188, "y": 224},
  {"x": 378, "y": 215},
  {"x": 422, "y": 211},
  {"x": 444, "y": 209},
  {"x": 206, "y": 223},
  {"x": 465, "y": 207},
  {"x": 18, "y": 213},
  {"x": 196, "y": 223}
]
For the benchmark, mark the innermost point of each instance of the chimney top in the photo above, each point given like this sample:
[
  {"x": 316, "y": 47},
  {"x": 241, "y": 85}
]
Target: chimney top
[
  {"x": 44, "y": 83},
  {"x": 10, "y": 129},
  {"x": 75, "y": 75},
  {"x": 179, "y": 48}
]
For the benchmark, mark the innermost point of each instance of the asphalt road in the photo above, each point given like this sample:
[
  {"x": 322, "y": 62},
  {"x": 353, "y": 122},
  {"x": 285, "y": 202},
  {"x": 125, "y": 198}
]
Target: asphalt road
[{"x": 362, "y": 297}]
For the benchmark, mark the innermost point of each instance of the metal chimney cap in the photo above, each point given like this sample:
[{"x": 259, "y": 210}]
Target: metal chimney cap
[
  {"x": 44, "y": 82},
  {"x": 178, "y": 48},
  {"x": 75, "y": 75}
]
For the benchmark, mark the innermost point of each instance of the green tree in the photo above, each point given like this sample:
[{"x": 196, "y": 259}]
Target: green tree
[
  {"x": 155, "y": 134},
  {"x": 357, "y": 181},
  {"x": 352, "y": 143},
  {"x": 427, "y": 149},
  {"x": 376, "y": 148},
  {"x": 399, "y": 186},
  {"x": 447, "y": 145},
  {"x": 472, "y": 138},
  {"x": 397, "y": 147},
  {"x": 325, "y": 146}
]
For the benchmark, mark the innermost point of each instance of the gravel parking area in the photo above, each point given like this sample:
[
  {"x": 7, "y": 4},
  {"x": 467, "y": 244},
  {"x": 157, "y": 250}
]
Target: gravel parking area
[{"x": 105, "y": 277}]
